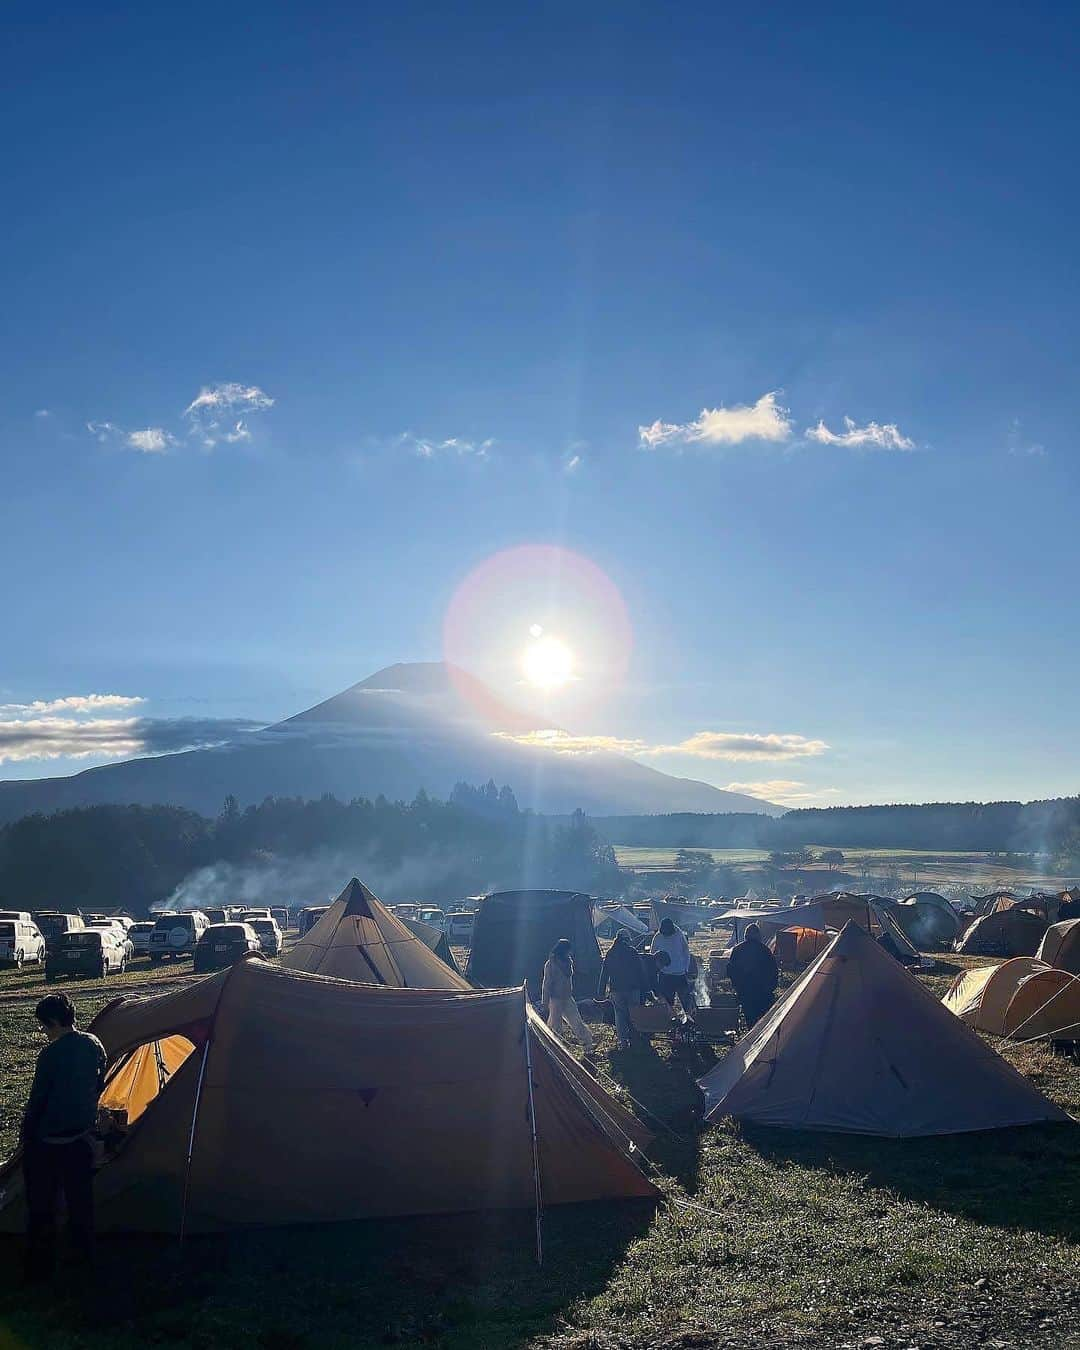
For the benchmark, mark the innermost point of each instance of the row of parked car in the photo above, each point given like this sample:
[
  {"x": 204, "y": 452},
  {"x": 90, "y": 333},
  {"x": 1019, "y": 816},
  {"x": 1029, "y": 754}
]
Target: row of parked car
[{"x": 457, "y": 925}]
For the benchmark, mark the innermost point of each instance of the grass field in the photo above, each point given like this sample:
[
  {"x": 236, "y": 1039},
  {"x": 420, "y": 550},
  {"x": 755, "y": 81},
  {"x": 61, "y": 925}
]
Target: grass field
[
  {"x": 796, "y": 1240},
  {"x": 919, "y": 868}
]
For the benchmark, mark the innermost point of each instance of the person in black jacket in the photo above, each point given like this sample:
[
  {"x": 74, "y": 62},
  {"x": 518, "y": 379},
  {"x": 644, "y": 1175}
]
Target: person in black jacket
[
  {"x": 59, "y": 1119},
  {"x": 753, "y": 972},
  {"x": 622, "y": 970}
]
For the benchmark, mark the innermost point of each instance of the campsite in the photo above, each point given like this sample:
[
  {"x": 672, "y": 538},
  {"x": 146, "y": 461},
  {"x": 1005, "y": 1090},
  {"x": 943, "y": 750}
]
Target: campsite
[{"x": 797, "y": 1237}]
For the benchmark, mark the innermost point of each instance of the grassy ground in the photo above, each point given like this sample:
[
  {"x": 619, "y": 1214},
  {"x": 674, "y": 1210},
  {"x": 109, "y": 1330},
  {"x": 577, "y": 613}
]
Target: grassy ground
[
  {"x": 919, "y": 868},
  {"x": 796, "y": 1240}
]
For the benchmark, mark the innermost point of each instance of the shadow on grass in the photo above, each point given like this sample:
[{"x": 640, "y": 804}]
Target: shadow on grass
[
  {"x": 667, "y": 1088},
  {"x": 456, "y": 1281},
  {"x": 1027, "y": 1177}
]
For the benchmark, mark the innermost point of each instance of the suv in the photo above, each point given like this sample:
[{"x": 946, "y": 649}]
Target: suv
[
  {"x": 54, "y": 924},
  {"x": 433, "y": 917},
  {"x": 269, "y": 934},
  {"x": 309, "y": 917},
  {"x": 94, "y": 952},
  {"x": 459, "y": 926},
  {"x": 139, "y": 937},
  {"x": 20, "y": 940},
  {"x": 176, "y": 935},
  {"x": 223, "y": 944}
]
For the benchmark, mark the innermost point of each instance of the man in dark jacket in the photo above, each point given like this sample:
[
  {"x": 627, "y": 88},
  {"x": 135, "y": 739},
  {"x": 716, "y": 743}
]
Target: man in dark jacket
[
  {"x": 622, "y": 970},
  {"x": 753, "y": 973},
  {"x": 56, "y": 1128}
]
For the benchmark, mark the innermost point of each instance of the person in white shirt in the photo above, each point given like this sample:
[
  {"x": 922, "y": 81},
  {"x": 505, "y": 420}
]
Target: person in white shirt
[{"x": 672, "y": 952}]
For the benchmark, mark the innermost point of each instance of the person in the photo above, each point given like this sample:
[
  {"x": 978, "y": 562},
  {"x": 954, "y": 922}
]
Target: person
[
  {"x": 623, "y": 972},
  {"x": 558, "y": 994},
  {"x": 60, "y": 1115},
  {"x": 672, "y": 952},
  {"x": 753, "y": 972}
]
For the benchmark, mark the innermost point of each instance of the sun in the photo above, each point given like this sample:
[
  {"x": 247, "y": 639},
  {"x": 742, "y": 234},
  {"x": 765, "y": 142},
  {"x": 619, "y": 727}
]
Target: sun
[{"x": 547, "y": 661}]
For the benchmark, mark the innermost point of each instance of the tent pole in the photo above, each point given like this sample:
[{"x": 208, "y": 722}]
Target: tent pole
[
  {"x": 532, "y": 1126},
  {"x": 191, "y": 1141}
]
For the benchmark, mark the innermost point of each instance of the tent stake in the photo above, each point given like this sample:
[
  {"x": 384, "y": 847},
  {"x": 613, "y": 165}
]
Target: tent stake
[
  {"x": 191, "y": 1142},
  {"x": 532, "y": 1125}
]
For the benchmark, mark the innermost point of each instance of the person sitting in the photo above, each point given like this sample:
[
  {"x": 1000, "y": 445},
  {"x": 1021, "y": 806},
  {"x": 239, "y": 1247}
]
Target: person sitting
[
  {"x": 557, "y": 994},
  {"x": 622, "y": 971},
  {"x": 753, "y": 973},
  {"x": 57, "y": 1125},
  {"x": 674, "y": 971}
]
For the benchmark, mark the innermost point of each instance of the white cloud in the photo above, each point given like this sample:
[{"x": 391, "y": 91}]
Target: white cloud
[
  {"x": 747, "y": 745},
  {"x": 782, "y": 791},
  {"x": 56, "y": 737},
  {"x": 765, "y": 420},
  {"x": 43, "y": 413},
  {"x": 1020, "y": 445},
  {"x": 873, "y": 436},
  {"x": 219, "y": 412},
  {"x": 426, "y": 447},
  {"x": 74, "y": 703},
  {"x": 573, "y": 464},
  {"x": 702, "y": 745},
  {"x": 151, "y": 440},
  {"x": 103, "y": 431}
]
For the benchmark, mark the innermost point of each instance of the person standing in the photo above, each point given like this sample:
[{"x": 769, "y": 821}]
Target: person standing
[
  {"x": 753, "y": 972},
  {"x": 622, "y": 970},
  {"x": 672, "y": 952},
  {"x": 60, "y": 1115},
  {"x": 558, "y": 994}
]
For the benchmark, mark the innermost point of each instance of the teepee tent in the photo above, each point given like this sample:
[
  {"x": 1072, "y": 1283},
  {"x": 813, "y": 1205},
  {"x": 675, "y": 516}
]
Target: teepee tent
[
  {"x": 859, "y": 1045},
  {"x": 309, "y": 1100},
  {"x": 980, "y": 997},
  {"x": 1060, "y": 946},
  {"x": 359, "y": 939}
]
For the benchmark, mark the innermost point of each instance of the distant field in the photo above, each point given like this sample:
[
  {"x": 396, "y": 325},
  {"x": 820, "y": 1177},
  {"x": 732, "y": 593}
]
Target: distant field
[{"x": 915, "y": 866}]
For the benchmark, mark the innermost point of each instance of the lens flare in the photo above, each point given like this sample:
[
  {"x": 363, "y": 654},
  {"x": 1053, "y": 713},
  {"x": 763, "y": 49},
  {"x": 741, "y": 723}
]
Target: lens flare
[{"x": 547, "y": 662}]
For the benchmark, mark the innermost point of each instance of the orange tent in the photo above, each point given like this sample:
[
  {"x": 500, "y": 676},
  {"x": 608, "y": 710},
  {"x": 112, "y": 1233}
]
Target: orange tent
[
  {"x": 312, "y": 1100},
  {"x": 1046, "y": 1004},
  {"x": 799, "y": 946},
  {"x": 980, "y": 997},
  {"x": 1061, "y": 946},
  {"x": 359, "y": 939},
  {"x": 139, "y": 1076}
]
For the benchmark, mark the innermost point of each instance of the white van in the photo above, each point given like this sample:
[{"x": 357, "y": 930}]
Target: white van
[
  {"x": 20, "y": 941},
  {"x": 176, "y": 935},
  {"x": 459, "y": 927}
]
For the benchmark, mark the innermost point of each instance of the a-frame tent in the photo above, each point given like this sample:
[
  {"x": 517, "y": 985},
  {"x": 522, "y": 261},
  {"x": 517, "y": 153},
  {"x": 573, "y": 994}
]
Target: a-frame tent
[
  {"x": 307, "y": 1100},
  {"x": 359, "y": 939},
  {"x": 859, "y": 1045}
]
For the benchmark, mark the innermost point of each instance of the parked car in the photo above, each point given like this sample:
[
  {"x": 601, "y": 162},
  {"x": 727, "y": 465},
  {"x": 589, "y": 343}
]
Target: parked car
[
  {"x": 54, "y": 925},
  {"x": 91, "y": 952},
  {"x": 246, "y": 914},
  {"x": 433, "y": 916},
  {"x": 269, "y": 935},
  {"x": 406, "y": 910},
  {"x": 459, "y": 926},
  {"x": 20, "y": 915},
  {"x": 139, "y": 937},
  {"x": 223, "y": 944},
  {"x": 309, "y": 918},
  {"x": 176, "y": 935},
  {"x": 218, "y": 914},
  {"x": 281, "y": 918},
  {"x": 21, "y": 940}
]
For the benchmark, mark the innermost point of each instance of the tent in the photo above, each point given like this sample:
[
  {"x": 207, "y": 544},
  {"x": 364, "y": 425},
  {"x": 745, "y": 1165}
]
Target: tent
[
  {"x": 688, "y": 917},
  {"x": 1061, "y": 946},
  {"x": 1010, "y": 932},
  {"x": 359, "y": 939},
  {"x": 434, "y": 939},
  {"x": 139, "y": 1078},
  {"x": 846, "y": 1049},
  {"x": 309, "y": 1100},
  {"x": 1046, "y": 1004},
  {"x": 798, "y": 946},
  {"x": 607, "y": 922},
  {"x": 983, "y": 904},
  {"x": 979, "y": 997},
  {"x": 516, "y": 930},
  {"x": 928, "y": 920}
]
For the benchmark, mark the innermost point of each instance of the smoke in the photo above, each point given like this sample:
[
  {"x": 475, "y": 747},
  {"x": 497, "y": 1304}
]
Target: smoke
[
  {"x": 317, "y": 878},
  {"x": 702, "y": 996}
]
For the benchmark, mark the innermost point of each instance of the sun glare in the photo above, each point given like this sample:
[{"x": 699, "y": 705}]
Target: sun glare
[{"x": 547, "y": 662}]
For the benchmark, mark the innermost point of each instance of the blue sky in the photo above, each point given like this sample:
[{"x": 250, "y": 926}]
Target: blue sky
[{"x": 426, "y": 273}]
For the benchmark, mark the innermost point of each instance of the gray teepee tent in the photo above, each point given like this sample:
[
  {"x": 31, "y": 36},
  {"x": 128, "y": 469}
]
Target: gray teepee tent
[{"x": 860, "y": 1045}]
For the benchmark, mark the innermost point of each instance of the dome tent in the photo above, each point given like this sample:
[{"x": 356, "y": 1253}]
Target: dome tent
[
  {"x": 311, "y": 1100},
  {"x": 845, "y": 1049},
  {"x": 1061, "y": 946},
  {"x": 980, "y": 997},
  {"x": 1007, "y": 932}
]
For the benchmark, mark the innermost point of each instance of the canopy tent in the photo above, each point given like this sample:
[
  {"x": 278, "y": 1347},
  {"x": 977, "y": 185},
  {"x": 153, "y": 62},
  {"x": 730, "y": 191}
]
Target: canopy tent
[
  {"x": 1061, "y": 946},
  {"x": 1009, "y": 932},
  {"x": 846, "y": 1049},
  {"x": 980, "y": 997},
  {"x": 434, "y": 939},
  {"x": 928, "y": 920},
  {"x": 688, "y": 917},
  {"x": 516, "y": 930},
  {"x": 607, "y": 922},
  {"x": 359, "y": 939},
  {"x": 1047, "y": 1003},
  {"x": 315, "y": 1100}
]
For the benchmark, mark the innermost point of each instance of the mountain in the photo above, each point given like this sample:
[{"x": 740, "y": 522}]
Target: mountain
[{"x": 426, "y": 725}]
